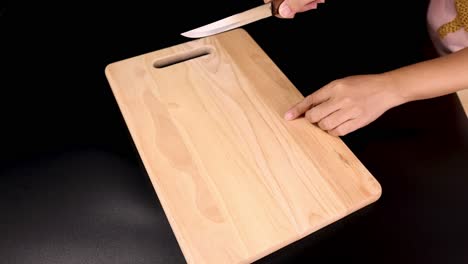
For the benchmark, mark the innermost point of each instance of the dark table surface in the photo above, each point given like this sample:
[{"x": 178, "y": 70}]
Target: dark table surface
[{"x": 72, "y": 187}]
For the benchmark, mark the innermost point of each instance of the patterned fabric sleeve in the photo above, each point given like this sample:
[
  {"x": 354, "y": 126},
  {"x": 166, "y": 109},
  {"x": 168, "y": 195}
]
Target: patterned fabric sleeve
[{"x": 448, "y": 25}]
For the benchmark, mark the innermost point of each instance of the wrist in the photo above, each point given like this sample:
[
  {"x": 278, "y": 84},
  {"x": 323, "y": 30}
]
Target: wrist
[{"x": 394, "y": 89}]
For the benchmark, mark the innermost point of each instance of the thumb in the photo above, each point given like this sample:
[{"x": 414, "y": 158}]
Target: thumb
[
  {"x": 289, "y": 8},
  {"x": 285, "y": 10}
]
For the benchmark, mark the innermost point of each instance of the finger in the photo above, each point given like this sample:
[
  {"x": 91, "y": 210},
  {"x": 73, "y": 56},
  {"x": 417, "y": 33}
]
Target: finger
[
  {"x": 266, "y": 1},
  {"x": 285, "y": 10},
  {"x": 347, "y": 127},
  {"x": 337, "y": 118},
  {"x": 318, "y": 112},
  {"x": 313, "y": 99},
  {"x": 309, "y": 6}
]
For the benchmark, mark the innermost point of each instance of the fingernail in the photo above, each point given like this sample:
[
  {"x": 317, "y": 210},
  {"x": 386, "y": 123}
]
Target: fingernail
[
  {"x": 285, "y": 11},
  {"x": 288, "y": 116}
]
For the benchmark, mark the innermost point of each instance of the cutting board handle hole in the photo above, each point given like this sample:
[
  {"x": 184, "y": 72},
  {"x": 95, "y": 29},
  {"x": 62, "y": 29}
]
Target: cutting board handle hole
[{"x": 181, "y": 57}]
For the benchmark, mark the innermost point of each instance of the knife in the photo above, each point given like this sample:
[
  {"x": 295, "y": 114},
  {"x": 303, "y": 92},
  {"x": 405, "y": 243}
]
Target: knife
[{"x": 237, "y": 20}]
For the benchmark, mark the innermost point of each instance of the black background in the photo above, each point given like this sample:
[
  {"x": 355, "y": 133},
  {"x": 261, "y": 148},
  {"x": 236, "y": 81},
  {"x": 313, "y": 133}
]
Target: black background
[{"x": 72, "y": 188}]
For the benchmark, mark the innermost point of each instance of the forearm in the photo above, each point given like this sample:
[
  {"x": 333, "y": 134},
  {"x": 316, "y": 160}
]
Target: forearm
[{"x": 432, "y": 78}]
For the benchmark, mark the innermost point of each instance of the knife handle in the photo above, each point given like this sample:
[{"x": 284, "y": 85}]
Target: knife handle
[{"x": 275, "y": 4}]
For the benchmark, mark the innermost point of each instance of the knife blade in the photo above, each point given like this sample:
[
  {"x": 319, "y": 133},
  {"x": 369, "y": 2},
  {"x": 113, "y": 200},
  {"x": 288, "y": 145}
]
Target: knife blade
[{"x": 237, "y": 20}]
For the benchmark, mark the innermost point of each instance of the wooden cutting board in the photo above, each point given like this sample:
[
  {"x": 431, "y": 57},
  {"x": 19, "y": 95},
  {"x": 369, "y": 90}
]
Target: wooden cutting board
[
  {"x": 463, "y": 95},
  {"x": 236, "y": 181}
]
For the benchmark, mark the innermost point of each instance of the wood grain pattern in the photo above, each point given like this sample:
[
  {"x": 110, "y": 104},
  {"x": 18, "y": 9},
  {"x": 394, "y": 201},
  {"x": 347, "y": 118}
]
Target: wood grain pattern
[{"x": 236, "y": 181}]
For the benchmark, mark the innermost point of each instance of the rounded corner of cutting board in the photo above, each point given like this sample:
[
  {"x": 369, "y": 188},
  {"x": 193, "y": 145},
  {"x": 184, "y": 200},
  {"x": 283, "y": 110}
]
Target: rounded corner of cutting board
[
  {"x": 374, "y": 190},
  {"x": 111, "y": 67},
  {"x": 378, "y": 191},
  {"x": 108, "y": 69}
]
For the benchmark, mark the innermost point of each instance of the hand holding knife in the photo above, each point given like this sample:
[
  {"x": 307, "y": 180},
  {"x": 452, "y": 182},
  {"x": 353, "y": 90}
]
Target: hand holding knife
[{"x": 271, "y": 8}]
